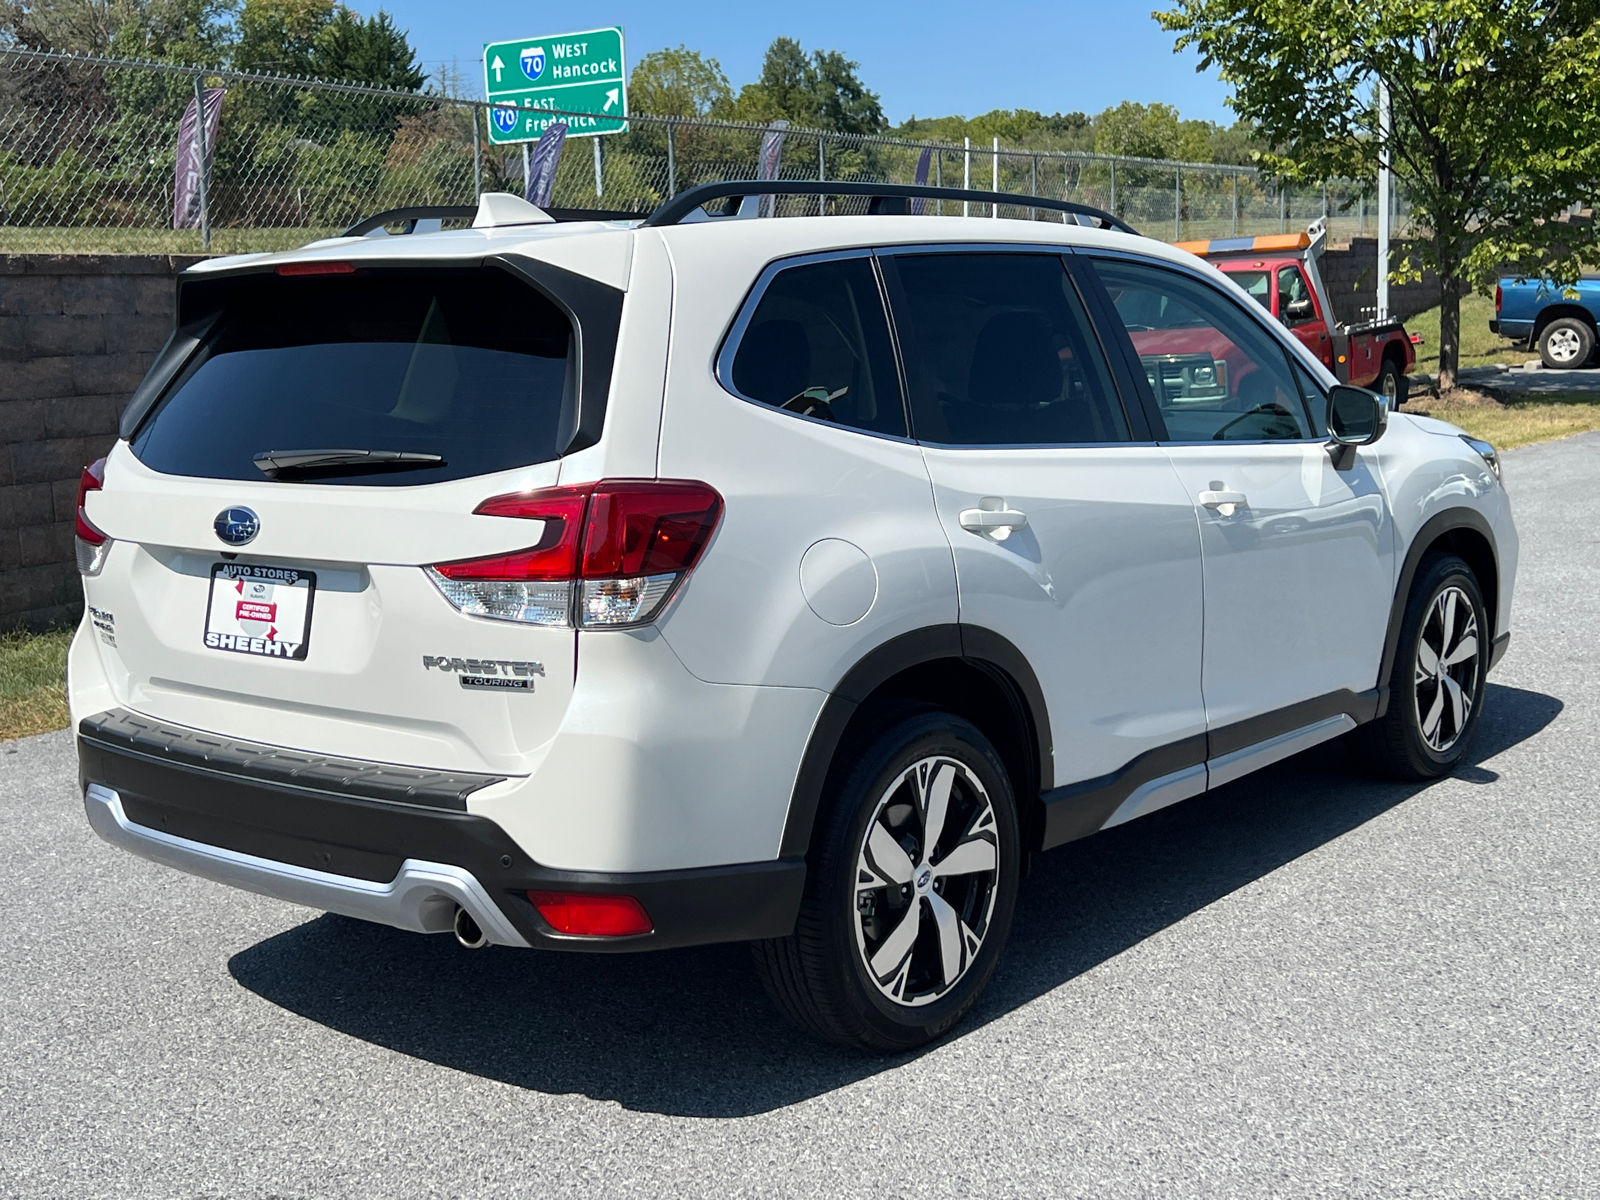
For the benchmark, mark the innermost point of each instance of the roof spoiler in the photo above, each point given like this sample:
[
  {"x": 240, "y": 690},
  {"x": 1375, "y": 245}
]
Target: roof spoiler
[
  {"x": 884, "y": 198},
  {"x": 494, "y": 210}
]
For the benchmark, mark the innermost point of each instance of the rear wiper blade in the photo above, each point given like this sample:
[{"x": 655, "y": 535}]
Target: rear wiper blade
[{"x": 275, "y": 462}]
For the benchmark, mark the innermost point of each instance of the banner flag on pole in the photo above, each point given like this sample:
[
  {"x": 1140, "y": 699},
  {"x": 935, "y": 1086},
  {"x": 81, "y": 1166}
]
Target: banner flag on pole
[
  {"x": 187, "y": 168},
  {"x": 771, "y": 157},
  {"x": 919, "y": 204},
  {"x": 541, "y": 182}
]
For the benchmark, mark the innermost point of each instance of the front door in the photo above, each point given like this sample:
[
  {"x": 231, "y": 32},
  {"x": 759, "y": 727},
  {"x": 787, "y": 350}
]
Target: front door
[
  {"x": 1299, "y": 556},
  {"x": 1073, "y": 541}
]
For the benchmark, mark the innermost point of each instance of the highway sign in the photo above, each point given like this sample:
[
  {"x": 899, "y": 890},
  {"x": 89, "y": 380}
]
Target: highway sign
[{"x": 578, "y": 72}]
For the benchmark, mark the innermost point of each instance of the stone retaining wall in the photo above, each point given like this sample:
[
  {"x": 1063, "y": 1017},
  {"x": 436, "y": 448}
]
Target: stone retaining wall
[{"x": 77, "y": 333}]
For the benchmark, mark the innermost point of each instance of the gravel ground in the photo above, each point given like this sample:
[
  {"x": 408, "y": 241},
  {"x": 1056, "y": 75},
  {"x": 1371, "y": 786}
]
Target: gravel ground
[{"x": 1305, "y": 984}]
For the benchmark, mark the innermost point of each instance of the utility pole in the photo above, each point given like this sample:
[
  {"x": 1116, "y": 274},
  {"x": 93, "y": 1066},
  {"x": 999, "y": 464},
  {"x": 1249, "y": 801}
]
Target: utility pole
[
  {"x": 994, "y": 209},
  {"x": 966, "y": 178},
  {"x": 1383, "y": 201},
  {"x": 477, "y": 158}
]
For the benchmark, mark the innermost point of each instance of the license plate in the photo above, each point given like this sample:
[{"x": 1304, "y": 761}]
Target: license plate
[{"x": 265, "y": 611}]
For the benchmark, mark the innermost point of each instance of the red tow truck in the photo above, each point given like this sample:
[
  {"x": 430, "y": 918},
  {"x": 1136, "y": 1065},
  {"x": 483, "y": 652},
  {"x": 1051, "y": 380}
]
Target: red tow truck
[{"x": 1280, "y": 272}]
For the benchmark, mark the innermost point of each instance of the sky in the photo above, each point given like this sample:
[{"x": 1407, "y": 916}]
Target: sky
[{"x": 927, "y": 59}]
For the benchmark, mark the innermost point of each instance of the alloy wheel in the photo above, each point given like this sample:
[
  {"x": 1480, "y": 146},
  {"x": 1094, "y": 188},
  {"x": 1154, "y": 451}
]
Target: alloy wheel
[
  {"x": 927, "y": 874},
  {"x": 1564, "y": 345},
  {"x": 1446, "y": 672}
]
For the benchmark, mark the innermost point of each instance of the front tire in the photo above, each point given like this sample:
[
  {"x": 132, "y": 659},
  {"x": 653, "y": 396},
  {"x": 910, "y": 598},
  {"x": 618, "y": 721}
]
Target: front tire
[
  {"x": 1391, "y": 384},
  {"x": 1436, "y": 686},
  {"x": 910, "y": 891},
  {"x": 1566, "y": 343}
]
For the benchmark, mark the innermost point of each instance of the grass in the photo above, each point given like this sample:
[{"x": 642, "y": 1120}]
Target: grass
[
  {"x": 16, "y": 239},
  {"x": 33, "y": 697},
  {"x": 1507, "y": 421},
  {"x": 1479, "y": 347}
]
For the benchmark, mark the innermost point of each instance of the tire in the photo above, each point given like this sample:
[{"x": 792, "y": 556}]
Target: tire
[
  {"x": 856, "y": 971},
  {"x": 1391, "y": 384},
  {"x": 1434, "y": 703},
  {"x": 1565, "y": 343}
]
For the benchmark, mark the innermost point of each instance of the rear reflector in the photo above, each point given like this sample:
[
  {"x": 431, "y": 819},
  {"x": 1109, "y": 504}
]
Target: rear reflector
[
  {"x": 590, "y": 914},
  {"x": 316, "y": 268},
  {"x": 610, "y": 554}
]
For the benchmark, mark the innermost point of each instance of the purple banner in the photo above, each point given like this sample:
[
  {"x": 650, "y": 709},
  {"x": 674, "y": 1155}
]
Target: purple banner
[
  {"x": 771, "y": 157},
  {"x": 542, "y": 162},
  {"x": 186, "y": 180},
  {"x": 918, "y": 204}
]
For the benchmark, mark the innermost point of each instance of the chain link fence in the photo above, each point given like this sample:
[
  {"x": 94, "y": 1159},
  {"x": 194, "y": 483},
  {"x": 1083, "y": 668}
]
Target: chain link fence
[{"x": 88, "y": 147}]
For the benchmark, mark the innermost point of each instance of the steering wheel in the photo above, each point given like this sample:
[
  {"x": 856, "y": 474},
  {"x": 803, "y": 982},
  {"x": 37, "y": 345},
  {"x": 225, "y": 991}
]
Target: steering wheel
[{"x": 1275, "y": 409}]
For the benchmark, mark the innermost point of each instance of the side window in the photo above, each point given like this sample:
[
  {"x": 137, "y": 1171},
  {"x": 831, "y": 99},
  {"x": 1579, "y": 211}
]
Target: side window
[
  {"x": 818, "y": 345},
  {"x": 999, "y": 351},
  {"x": 1294, "y": 297},
  {"x": 1216, "y": 374}
]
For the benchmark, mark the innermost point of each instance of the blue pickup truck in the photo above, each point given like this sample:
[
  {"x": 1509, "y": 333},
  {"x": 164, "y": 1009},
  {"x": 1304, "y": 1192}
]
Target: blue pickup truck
[{"x": 1558, "y": 320}]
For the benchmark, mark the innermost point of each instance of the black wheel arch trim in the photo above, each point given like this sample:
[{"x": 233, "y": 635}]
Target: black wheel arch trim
[
  {"x": 1432, "y": 530},
  {"x": 980, "y": 647}
]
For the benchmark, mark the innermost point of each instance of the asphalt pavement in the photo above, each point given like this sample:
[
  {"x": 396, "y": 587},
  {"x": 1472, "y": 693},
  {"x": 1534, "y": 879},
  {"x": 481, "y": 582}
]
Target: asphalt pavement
[{"x": 1308, "y": 983}]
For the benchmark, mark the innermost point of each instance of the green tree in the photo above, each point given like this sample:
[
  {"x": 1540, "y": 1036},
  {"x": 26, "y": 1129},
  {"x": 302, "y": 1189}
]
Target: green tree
[
  {"x": 1496, "y": 116},
  {"x": 1151, "y": 131},
  {"x": 679, "y": 83},
  {"x": 819, "y": 91},
  {"x": 279, "y": 37}
]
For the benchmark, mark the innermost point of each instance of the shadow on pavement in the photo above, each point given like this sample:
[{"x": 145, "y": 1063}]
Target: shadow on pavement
[{"x": 690, "y": 1032}]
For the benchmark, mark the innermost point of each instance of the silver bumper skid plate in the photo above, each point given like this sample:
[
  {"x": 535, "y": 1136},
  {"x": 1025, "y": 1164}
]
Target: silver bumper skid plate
[{"x": 422, "y": 897}]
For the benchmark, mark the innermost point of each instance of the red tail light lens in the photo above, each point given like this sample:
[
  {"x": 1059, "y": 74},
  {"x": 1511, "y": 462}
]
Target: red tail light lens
[
  {"x": 91, "y": 544},
  {"x": 316, "y": 268},
  {"x": 1498, "y": 297},
  {"x": 592, "y": 915},
  {"x": 609, "y": 556}
]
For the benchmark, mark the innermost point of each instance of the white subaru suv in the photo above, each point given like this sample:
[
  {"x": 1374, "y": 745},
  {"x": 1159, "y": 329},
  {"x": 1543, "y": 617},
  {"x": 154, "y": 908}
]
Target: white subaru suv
[{"x": 611, "y": 586}]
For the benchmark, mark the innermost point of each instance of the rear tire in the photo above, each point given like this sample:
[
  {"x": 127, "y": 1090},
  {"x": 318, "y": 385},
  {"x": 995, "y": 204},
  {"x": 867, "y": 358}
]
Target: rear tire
[
  {"x": 1566, "y": 343},
  {"x": 898, "y": 930},
  {"x": 1391, "y": 384},
  {"x": 1436, "y": 685}
]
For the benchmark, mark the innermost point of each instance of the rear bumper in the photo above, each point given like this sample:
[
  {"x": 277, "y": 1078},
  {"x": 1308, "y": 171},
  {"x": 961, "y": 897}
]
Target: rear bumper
[{"x": 402, "y": 864}]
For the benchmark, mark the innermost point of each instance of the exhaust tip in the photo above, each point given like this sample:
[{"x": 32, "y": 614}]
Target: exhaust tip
[{"x": 467, "y": 931}]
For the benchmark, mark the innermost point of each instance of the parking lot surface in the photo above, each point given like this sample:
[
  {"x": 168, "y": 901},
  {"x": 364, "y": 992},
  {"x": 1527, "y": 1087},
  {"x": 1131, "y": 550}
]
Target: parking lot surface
[{"x": 1308, "y": 983}]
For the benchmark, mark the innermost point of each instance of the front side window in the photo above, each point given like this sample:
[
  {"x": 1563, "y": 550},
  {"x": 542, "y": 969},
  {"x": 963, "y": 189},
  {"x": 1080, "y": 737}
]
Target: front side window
[
  {"x": 438, "y": 374},
  {"x": 1294, "y": 297},
  {"x": 999, "y": 351},
  {"x": 1215, "y": 373},
  {"x": 818, "y": 345}
]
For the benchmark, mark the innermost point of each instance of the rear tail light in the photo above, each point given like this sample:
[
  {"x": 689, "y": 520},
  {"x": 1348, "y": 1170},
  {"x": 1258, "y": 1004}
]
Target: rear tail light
[
  {"x": 591, "y": 914},
  {"x": 609, "y": 556},
  {"x": 91, "y": 545},
  {"x": 1498, "y": 297}
]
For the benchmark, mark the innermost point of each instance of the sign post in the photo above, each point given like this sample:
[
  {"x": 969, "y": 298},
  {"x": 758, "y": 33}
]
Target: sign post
[{"x": 576, "y": 72}]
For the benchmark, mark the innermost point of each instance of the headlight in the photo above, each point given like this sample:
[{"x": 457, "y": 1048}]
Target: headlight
[{"x": 1486, "y": 452}]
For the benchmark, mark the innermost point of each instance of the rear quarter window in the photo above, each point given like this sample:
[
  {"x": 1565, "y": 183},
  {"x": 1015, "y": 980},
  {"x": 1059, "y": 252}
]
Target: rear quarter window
[{"x": 474, "y": 366}]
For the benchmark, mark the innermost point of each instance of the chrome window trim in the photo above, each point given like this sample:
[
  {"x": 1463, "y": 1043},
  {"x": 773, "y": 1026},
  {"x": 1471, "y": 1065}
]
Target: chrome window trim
[
  {"x": 1293, "y": 345},
  {"x": 728, "y": 348}
]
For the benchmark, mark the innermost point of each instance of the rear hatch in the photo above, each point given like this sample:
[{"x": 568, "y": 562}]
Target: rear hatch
[{"x": 325, "y": 438}]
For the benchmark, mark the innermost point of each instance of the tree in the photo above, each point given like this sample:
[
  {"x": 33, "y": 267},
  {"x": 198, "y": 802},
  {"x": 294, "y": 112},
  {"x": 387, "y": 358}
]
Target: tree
[
  {"x": 680, "y": 83},
  {"x": 1151, "y": 131},
  {"x": 821, "y": 91},
  {"x": 279, "y": 37},
  {"x": 1496, "y": 117}
]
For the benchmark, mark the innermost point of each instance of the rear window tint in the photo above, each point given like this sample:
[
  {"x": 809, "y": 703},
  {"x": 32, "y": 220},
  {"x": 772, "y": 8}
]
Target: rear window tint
[{"x": 474, "y": 366}]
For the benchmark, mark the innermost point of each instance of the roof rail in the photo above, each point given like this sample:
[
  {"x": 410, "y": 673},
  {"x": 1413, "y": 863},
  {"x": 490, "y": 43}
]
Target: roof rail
[
  {"x": 886, "y": 198},
  {"x": 467, "y": 212}
]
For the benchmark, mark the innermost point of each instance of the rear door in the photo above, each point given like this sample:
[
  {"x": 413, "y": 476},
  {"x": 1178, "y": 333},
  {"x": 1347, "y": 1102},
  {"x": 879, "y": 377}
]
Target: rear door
[
  {"x": 1073, "y": 538},
  {"x": 268, "y": 583}
]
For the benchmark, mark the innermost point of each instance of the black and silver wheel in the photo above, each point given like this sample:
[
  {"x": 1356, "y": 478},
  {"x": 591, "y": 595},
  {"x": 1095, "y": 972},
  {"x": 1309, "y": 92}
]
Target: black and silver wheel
[
  {"x": 910, "y": 891},
  {"x": 1437, "y": 682},
  {"x": 1391, "y": 384},
  {"x": 1565, "y": 343}
]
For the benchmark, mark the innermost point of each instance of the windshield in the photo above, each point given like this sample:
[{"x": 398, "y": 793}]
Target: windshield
[
  {"x": 1257, "y": 283},
  {"x": 439, "y": 374}
]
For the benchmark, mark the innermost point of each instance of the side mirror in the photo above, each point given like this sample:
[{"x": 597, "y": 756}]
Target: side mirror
[
  {"x": 1356, "y": 417},
  {"x": 1300, "y": 310}
]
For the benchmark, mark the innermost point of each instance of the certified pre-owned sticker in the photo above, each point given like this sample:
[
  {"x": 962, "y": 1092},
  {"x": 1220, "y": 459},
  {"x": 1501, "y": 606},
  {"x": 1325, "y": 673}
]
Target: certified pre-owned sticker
[{"x": 499, "y": 674}]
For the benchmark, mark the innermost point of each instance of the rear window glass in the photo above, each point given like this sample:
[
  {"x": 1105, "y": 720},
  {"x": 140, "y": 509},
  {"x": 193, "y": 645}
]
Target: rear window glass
[{"x": 474, "y": 367}]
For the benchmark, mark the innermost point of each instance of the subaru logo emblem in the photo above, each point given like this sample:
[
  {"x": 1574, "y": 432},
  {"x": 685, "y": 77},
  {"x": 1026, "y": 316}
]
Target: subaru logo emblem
[{"x": 237, "y": 526}]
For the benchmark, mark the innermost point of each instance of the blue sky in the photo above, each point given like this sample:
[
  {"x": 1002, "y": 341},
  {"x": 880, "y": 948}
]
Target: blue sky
[{"x": 931, "y": 58}]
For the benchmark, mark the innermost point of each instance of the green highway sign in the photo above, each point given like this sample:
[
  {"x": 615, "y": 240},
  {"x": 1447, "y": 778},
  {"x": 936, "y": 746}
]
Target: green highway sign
[{"x": 577, "y": 72}]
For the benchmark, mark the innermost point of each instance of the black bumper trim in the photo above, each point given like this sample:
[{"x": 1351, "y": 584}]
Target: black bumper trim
[{"x": 369, "y": 839}]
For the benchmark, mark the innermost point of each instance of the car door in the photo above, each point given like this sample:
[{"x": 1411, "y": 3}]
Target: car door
[
  {"x": 1298, "y": 555},
  {"x": 1072, "y": 540},
  {"x": 1297, "y": 308}
]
